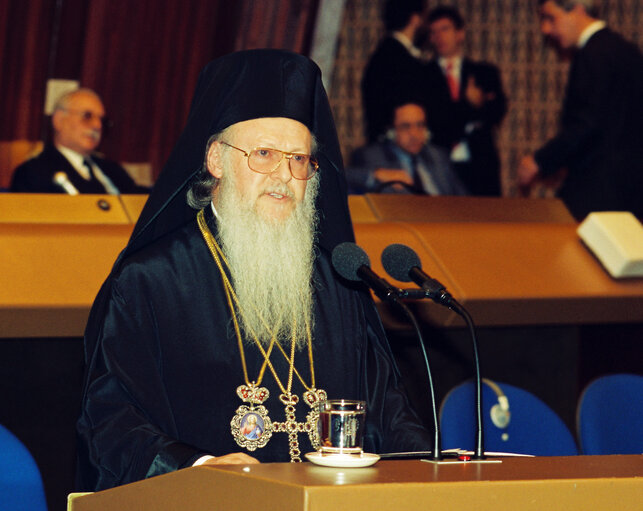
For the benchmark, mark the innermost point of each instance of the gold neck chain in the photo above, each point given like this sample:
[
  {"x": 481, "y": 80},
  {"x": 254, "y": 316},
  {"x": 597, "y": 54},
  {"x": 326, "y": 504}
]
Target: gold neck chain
[{"x": 233, "y": 301}]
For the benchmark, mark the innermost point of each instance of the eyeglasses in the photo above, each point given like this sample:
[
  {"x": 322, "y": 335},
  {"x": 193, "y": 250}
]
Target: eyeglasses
[
  {"x": 86, "y": 115},
  {"x": 408, "y": 126},
  {"x": 265, "y": 160}
]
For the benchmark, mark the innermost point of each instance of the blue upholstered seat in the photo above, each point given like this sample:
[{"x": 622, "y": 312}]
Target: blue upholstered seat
[
  {"x": 521, "y": 422},
  {"x": 21, "y": 486},
  {"x": 609, "y": 417}
]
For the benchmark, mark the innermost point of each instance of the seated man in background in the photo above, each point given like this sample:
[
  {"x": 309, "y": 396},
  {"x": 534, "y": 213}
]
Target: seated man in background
[
  {"x": 69, "y": 165},
  {"x": 224, "y": 307},
  {"x": 405, "y": 162}
]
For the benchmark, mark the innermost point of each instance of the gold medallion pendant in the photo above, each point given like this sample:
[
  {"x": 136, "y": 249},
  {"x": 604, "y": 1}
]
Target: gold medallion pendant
[{"x": 251, "y": 427}]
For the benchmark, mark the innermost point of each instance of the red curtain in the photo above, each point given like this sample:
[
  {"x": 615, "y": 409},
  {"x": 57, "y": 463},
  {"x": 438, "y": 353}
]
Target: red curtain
[
  {"x": 25, "y": 37},
  {"x": 142, "y": 57}
]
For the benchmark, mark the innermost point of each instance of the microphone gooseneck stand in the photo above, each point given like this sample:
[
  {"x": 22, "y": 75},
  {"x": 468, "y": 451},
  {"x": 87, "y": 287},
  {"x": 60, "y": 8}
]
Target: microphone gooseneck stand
[
  {"x": 403, "y": 264},
  {"x": 353, "y": 264},
  {"x": 460, "y": 310},
  {"x": 437, "y": 438}
]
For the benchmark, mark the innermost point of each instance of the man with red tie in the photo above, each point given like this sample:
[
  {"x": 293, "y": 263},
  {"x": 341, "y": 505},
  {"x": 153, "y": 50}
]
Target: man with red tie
[{"x": 466, "y": 103}]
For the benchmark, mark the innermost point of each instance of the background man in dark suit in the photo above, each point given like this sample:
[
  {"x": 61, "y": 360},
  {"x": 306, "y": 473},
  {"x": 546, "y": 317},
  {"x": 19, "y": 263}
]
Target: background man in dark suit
[
  {"x": 404, "y": 162},
  {"x": 395, "y": 67},
  {"x": 466, "y": 103},
  {"x": 599, "y": 141},
  {"x": 69, "y": 165}
]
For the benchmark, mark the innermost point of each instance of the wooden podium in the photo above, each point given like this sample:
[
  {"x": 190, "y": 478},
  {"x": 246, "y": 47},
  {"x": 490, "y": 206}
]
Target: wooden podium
[{"x": 565, "y": 484}]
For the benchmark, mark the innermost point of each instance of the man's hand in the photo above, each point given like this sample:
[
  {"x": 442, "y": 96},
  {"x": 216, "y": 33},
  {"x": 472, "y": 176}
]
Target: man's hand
[
  {"x": 398, "y": 177},
  {"x": 235, "y": 458},
  {"x": 527, "y": 171},
  {"x": 475, "y": 95},
  {"x": 387, "y": 175}
]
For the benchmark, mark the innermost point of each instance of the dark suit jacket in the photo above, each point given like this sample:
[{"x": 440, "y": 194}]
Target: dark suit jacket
[
  {"x": 391, "y": 75},
  {"x": 453, "y": 121},
  {"x": 600, "y": 140},
  {"x": 36, "y": 175},
  {"x": 365, "y": 160}
]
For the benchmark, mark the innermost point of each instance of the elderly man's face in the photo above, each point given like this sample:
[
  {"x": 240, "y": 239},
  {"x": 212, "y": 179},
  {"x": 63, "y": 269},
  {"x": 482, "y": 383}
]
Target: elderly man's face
[
  {"x": 79, "y": 126},
  {"x": 274, "y": 195}
]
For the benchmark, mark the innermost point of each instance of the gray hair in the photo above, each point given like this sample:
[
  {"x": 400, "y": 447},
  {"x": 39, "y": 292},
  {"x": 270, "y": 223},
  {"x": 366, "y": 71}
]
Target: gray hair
[
  {"x": 590, "y": 6},
  {"x": 199, "y": 194},
  {"x": 62, "y": 103}
]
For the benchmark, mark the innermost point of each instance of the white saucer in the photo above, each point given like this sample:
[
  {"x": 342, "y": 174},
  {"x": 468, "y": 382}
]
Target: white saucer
[{"x": 343, "y": 460}]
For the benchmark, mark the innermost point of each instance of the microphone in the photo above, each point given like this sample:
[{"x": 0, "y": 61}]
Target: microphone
[
  {"x": 60, "y": 178},
  {"x": 403, "y": 264},
  {"x": 352, "y": 263}
]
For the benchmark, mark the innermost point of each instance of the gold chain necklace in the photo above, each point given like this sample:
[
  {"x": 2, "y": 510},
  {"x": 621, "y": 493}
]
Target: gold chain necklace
[{"x": 251, "y": 426}]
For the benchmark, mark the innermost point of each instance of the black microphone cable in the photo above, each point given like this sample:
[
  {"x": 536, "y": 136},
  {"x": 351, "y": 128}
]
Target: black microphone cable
[
  {"x": 403, "y": 264},
  {"x": 352, "y": 263}
]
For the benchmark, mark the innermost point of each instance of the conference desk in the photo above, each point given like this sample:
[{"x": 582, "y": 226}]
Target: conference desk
[
  {"x": 565, "y": 484},
  {"x": 502, "y": 264}
]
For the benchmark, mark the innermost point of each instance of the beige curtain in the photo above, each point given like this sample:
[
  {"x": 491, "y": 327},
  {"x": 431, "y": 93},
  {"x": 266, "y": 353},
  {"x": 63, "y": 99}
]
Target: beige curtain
[{"x": 504, "y": 32}]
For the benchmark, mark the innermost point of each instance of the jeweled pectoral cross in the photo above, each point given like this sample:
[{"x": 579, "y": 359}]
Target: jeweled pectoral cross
[{"x": 252, "y": 428}]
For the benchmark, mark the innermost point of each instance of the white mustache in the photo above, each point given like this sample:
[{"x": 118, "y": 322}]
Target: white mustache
[
  {"x": 95, "y": 134},
  {"x": 281, "y": 190}
]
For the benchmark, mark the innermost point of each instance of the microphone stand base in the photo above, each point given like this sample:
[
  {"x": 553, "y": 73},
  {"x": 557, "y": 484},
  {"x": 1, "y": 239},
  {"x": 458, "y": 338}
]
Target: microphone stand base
[{"x": 458, "y": 461}]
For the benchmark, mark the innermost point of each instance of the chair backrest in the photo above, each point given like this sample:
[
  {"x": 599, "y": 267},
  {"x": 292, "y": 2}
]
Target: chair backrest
[
  {"x": 609, "y": 417},
  {"x": 21, "y": 486},
  {"x": 12, "y": 154},
  {"x": 514, "y": 421}
]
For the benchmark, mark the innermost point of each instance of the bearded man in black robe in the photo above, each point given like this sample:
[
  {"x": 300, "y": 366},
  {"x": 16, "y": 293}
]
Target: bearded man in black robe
[{"x": 222, "y": 324}]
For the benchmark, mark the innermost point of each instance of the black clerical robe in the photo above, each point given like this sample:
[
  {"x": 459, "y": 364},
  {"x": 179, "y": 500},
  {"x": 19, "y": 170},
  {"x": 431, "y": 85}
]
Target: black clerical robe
[{"x": 165, "y": 365}]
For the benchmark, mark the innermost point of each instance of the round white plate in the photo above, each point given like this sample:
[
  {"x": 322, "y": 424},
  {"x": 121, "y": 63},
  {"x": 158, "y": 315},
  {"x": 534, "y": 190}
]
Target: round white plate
[{"x": 343, "y": 460}]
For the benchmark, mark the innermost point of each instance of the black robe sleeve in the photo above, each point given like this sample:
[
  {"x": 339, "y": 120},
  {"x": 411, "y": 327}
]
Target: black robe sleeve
[{"x": 118, "y": 423}]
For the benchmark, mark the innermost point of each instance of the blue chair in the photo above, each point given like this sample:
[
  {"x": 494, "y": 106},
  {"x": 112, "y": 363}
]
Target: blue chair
[
  {"x": 21, "y": 486},
  {"x": 514, "y": 421},
  {"x": 609, "y": 417}
]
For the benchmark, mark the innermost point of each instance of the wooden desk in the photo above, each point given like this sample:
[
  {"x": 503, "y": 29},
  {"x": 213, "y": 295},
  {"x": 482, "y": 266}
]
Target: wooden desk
[
  {"x": 573, "y": 483},
  {"x": 509, "y": 274},
  {"x": 44, "y": 208},
  {"x": 419, "y": 208},
  {"x": 51, "y": 275},
  {"x": 56, "y": 250}
]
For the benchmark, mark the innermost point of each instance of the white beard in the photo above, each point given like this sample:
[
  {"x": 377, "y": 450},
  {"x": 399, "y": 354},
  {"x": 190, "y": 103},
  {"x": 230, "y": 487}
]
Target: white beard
[{"x": 271, "y": 264}]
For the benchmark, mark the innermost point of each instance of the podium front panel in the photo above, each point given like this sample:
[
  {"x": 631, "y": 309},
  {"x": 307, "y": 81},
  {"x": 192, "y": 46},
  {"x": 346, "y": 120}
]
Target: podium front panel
[{"x": 572, "y": 483}]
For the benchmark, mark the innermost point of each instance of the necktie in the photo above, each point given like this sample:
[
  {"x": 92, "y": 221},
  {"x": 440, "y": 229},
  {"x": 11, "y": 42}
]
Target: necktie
[
  {"x": 417, "y": 181},
  {"x": 96, "y": 182},
  {"x": 454, "y": 86},
  {"x": 88, "y": 165}
]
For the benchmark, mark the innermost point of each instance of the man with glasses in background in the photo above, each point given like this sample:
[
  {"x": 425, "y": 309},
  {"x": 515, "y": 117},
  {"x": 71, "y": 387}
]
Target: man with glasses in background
[
  {"x": 69, "y": 165},
  {"x": 406, "y": 162}
]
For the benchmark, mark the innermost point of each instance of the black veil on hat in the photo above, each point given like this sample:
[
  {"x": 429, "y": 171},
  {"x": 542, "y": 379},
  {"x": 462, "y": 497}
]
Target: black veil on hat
[{"x": 238, "y": 87}]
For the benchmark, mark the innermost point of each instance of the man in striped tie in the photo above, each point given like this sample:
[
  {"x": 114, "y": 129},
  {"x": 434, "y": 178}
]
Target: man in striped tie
[{"x": 70, "y": 164}]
